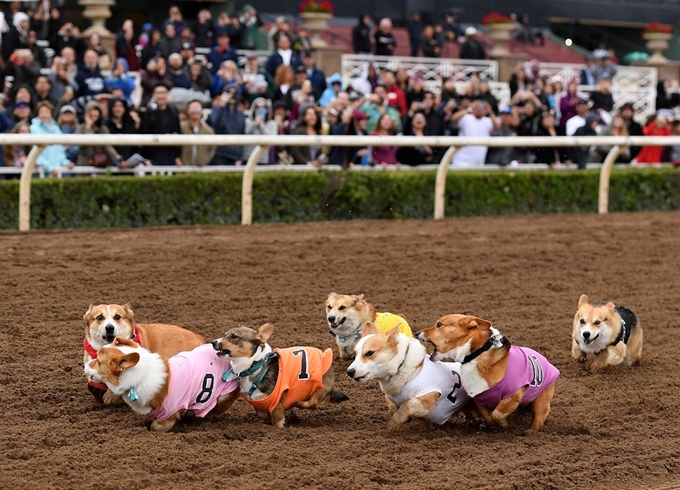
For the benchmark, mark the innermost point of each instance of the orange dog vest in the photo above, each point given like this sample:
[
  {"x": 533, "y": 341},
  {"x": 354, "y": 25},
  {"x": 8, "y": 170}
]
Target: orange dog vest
[{"x": 301, "y": 370}]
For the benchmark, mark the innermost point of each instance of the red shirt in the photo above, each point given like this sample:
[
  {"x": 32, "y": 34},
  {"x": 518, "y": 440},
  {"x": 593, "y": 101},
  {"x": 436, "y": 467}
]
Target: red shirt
[
  {"x": 396, "y": 98},
  {"x": 653, "y": 154}
]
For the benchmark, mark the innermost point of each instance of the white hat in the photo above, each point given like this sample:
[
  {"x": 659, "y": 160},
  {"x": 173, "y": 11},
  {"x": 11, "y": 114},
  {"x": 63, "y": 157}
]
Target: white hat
[{"x": 471, "y": 31}]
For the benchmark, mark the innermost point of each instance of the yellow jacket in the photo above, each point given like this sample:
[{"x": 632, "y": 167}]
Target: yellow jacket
[{"x": 387, "y": 321}]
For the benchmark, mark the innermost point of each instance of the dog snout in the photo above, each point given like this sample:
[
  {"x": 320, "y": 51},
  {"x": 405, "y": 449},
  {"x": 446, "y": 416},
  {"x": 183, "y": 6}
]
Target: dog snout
[
  {"x": 216, "y": 344},
  {"x": 331, "y": 319},
  {"x": 109, "y": 329},
  {"x": 586, "y": 335},
  {"x": 351, "y": 372}
]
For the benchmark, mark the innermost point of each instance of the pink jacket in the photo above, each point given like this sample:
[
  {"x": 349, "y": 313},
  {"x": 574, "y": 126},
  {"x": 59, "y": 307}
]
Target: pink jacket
[
  {"x": 526, "y": 367},
  {"x": 195, "y": 382}
]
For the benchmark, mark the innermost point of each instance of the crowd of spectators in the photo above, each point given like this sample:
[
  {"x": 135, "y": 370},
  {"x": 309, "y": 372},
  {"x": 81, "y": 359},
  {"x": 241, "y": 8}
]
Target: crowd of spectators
[{"x": 88, "y": 90}]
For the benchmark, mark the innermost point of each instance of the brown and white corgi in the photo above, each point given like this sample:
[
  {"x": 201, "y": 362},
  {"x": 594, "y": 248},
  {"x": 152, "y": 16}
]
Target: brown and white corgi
[
  {"x": 499, "y": 377},
  {"x": 103, "y": 323},
  {"x": 612, "y": 334},
  {"x": 164, "y": 389},
  {"x": 413, "y": 384},
  {"x": 346, "y": 316},
  {"x": 276, "y": 380}
]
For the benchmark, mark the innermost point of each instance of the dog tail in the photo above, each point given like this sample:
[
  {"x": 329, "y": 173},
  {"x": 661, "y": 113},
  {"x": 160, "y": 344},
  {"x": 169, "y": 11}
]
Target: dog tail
[{"x": 338, "y": 396}]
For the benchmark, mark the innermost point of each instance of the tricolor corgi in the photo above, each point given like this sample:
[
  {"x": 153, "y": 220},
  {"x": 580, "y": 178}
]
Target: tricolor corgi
[
  {"x": 164, "y": 389},
  {"x": 346, "y": 316},
  {"x": 499, "y": 377},
  {"x": 414, "y": 386},
  {"x": 276, "y": 380},
  {"x": 610, "y": 333},
  {"x": 103, "y": 323}
]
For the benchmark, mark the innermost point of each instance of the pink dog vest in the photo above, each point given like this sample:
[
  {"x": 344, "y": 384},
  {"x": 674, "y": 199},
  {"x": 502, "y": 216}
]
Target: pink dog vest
[
  {"x": 526, "y": 367},
  {"x": 195, "y": 382}
]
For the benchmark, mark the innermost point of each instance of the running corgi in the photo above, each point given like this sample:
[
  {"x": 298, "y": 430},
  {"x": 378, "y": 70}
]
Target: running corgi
[
  {"x": 276, "y": 380},
  {"x": 612, "y": 334}
]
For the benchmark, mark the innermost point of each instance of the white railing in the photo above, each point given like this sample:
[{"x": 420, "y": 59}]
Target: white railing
[
  {"x": 263, "y": 142},
  {"x": 636, "y": 84}
]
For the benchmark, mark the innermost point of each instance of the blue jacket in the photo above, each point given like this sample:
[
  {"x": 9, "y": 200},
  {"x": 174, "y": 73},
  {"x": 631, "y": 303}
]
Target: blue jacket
[
  {"x": 123, "y": 83},
  {"x": 329, "y": 94},
  {"x": 53, "y": 156},
  {"x": 275, "y": 60},
  {"x": 318, "y": 79},
  {"x": 217, "y": 58},
  {"x": 89, "y": 82},
  {"x": 224, "y": 121}
]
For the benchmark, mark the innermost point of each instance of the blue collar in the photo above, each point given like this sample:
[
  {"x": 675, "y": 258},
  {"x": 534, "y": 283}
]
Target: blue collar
[{"x": 341, "y": 338}]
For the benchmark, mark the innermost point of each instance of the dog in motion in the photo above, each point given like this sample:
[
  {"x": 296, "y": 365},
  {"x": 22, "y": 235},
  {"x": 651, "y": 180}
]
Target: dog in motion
[
  {"x": 612, "y": 334},
  {"x": 276, "y": 380},
  {"x": 499, "y": 377},
  {"x": 103, "y": 323},
  {"x": 414, "y": 386},
  {"x": 164, "y": 389},
  {"x": 346, "y": 316}
]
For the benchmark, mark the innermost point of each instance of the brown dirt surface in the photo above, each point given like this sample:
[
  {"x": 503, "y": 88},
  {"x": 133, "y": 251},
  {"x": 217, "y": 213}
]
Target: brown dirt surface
[{"x": 618, "y": 429}]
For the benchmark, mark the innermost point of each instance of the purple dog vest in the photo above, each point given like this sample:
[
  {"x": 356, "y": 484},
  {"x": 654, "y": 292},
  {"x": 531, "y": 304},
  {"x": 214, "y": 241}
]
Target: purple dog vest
[{"x": 526, "y": 367}]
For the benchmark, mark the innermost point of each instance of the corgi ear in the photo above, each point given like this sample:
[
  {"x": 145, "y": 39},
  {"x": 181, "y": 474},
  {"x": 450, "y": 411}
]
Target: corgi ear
[
  {"x": 583, "y": 300},
  {"x": 118, "y": 341},
  {"x": 88, "y": 314},
  {"x": 357, "y": 298},
  {"x": 128, "y": 311},
  {"x": 331, "y": 296},
  {"x": 611, "y": 306},
  {"x": 394, "y": 331},
  {"x": 128, "y": 361},
  {"x": 473, "y": 322},
  {"x": 370, "y": 328},
  {"x": 265, "y": 332}
]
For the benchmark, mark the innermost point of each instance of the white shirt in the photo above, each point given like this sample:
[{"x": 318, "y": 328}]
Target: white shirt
[
  {"x": 573, "y": 124},
  {"x": 286, "y": 55},
  {"x": 439, "y": 377},
  {"x": 472, "y": 156}
]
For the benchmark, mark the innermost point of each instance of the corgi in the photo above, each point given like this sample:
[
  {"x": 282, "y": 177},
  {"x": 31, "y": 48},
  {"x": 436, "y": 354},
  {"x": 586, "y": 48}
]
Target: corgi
[
  {"x": 346, "y": 316},
  {"x": 499, "y": 377},
  {"x": 413, "y": 384},
  {"x": 612, "y": 334},
  {"x": 276, "y": 380},
  {"x": 103, "y": 323},
  {"x": 164, "y": 389}
]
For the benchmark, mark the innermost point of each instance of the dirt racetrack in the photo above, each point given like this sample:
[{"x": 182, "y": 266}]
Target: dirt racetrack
[{"x": 617, "y": 430}]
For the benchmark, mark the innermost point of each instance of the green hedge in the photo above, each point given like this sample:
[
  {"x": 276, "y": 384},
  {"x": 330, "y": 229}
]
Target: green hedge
[{"x": 310, "y": 196}]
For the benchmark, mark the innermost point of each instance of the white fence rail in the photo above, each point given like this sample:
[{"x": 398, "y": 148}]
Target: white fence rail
[{"x": 263, "y": 142}]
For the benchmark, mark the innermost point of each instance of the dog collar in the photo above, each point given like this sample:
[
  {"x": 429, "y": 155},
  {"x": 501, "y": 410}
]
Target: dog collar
[
  {"x": 342, "y": 338},
  {"x": 93, "y": 353},
  {"x": 252, "y": 369},
  {"x": 623, "y": 336},
  {"x": 487, "y": 345}
]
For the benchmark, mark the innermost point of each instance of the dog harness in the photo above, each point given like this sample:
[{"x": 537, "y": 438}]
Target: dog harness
[
  {"x": 94, "y": 387},
  {"x": 628, "y": 323},
  {"x": 196, "y": 383},
  {"x": 439, "y": 377},
  {"x": 526, "y": 367},
  {"x": 385, "y": 322},
  {"x": 301, "y": 371}
]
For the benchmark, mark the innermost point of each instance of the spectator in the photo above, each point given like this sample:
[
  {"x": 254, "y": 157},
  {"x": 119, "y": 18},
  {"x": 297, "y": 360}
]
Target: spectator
[
  {"x": 283, "y": 55},
  {"x": 226, "y": 75},
  {"x": 303, "y": 43},
  {"x": 376, "y": 105},
  {"x": 68, "y": 54},
  {"x": 21, "y": 111},
  {"x": 316, "y": 76},
  {"x": 453, "y": 31},
  {"x": 357, "y": 155},
  {"x": 170, "y": 42},
  {"x": 434, "y": 122},
  {"x": 69, "y": 36},
  {"x": 251, "y": 27},
  {"x": 283, "y": 81},
  {"x": 417, "y": 155},
  {"x": 161, "y": 118},
  {"x": 42, "y": 89},
  {"x": 156, "y": 71},
  {"x": 658, "y": 127},
  {"x": 256, "y": 81},
  {"x": 68, "y": 124},
  {"x": 259, "y": 121},
  {"x": 602, "y": 97},
  {"x": 94, "y": 42},
  {"x": 403, "y": 80},
  {"x": 667, "y": 94},
  {"x": 472, "y": 48},
  {"x": 17, "y": 35},
  {"x": 331, "y": 92},
  {"x": 203, "y": 29},
  {"x": 54, "y": 24},
  {"x": 196, "y": 155},
  {"x": 675, "y": 150},
  {"x": 384, "y": 41},
  {"x": 361, "y": 35},
  {"x": 477, "y": 121},
  {"x": 199, "y": 76},
  {"x": 384, "y": 155},
  {"x": 368, "y": 78},
  {"x": 415, "y": 92},
  {"x": 175, "y": 18},
  {"x": 632, "y": 127},
  {"x": 235, "y": 30},
  {"x": 227, "y": 118},
  {"x": 145, "y": 36},
  {"x": 415, "y": 33},
  {"x": 448, "y": 90},
  {"x": 309, "y": 124},
  {"x": 430, "y": 46},
  {"x": 23, "y": 67},
  {"x": 589, "y": 72},
  {"x": 97, "y": 156},
  {"x": 616, "y": 128},
  {"x": 39, "y": 21},
  {"x": 123, "y": 121},
  {"x": 507, "y": 127},
  {"x": 187, "y": 53},
  {"x": 518, "y": 79},
  {"x": 179, "y": 77},
  {"x": 89, "y": 80},
  {"x": 279, "y": 27},
  {"x": 125, "y": 46},
  {"x": 607, "y": 69},
  {"x": 568, "y": 105},
  {"x": 152, "y": 49},
  {"x": 581, "y": 155},
  {"x": 222, "y": 52},
  {"x": 579, "y": 119},
  {"x": 15, "y": 155},
  {"x": 53, "y": 157},
  {"x": 118, "y": 79},
  {"x": 38, "y": 52},
  {"x": 294, "y": 95},
  {"x": 527, "y": 34},
  {"x": 485, "y": 94},
  {"x": 395, "y": 96},
  {"x": 546, "y": 127}
]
